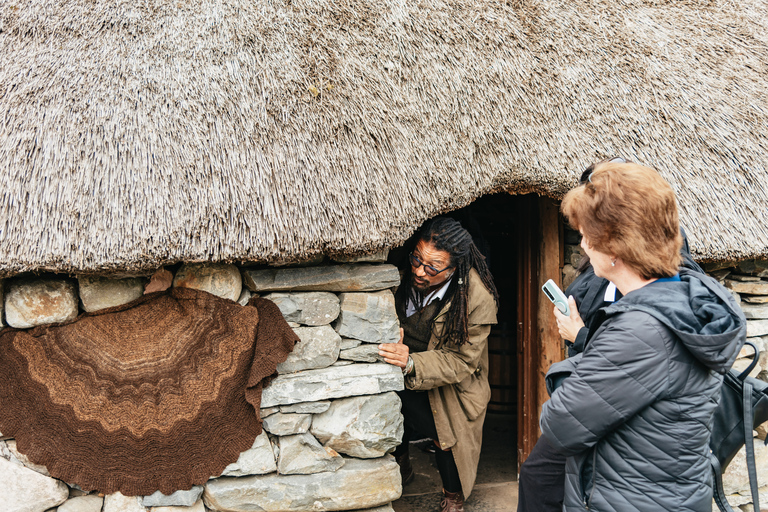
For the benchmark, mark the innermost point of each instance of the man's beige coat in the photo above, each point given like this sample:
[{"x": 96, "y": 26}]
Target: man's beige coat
[{"x": 457, "y": 381}]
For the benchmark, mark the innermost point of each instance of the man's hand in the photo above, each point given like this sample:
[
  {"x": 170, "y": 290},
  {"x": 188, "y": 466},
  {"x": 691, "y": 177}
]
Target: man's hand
[
  {"x": 395, "y": 353},
  {"x": 569, "y": 326}
]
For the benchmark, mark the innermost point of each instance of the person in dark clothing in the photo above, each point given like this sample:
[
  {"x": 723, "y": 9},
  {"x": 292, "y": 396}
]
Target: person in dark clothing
[
  {"x": 541, "y": 483},
  {"x": 631, "y": 413}
]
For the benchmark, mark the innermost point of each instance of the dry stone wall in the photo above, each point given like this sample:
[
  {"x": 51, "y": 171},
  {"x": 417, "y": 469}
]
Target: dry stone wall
[
  {"x": 331, "y": 417},
  {"x": 748, "y": 282}
]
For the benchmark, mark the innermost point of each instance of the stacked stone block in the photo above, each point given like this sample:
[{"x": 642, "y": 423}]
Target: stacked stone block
[{"x": 330, "y": 418}]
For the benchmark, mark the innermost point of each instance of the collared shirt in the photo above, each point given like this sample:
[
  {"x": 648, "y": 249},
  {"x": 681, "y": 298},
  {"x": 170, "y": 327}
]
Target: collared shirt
[{"x": 433, "y": 296}]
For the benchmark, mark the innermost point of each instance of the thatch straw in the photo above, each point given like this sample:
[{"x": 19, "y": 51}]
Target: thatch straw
[{"x": 146, "y": 132}]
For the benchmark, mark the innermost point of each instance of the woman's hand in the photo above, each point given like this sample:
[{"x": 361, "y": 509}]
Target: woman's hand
[
  {"x": 395, "y": 353},
  {"x": 569, "y": 326}
]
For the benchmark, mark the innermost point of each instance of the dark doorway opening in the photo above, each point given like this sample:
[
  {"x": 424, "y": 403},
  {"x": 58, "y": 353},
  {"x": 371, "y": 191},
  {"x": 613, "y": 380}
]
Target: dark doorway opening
[{"x": 506, "y": 228}]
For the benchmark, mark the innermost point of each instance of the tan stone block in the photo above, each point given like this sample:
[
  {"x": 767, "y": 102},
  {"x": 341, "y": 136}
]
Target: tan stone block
[
  {"x": 755, "y": 288},
  {"x": 101, "y": 292},
  {"x": 736, "y": 478},
  {"x": 221, "y": 279},
  {"x": 31, "y": 302}
]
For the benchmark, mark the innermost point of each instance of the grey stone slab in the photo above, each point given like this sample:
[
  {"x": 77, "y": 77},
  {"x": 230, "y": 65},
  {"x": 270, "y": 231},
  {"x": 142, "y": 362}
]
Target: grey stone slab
[
  {"x": 331, "y": 278},
  {"x": 347, "y": 343},
  {"x": 89, "y": 503},
  {"x": 753, "y": 267},
  {"x": 268, "y": 411},
  {"x": 367, "y": 353},
  {"x": 343, "y": 363},
  {"x": 359, "y": 484},
  {"x": 375, "y": 257},
  {"x": 307, "y": 308},
  {"x": 757, "y": 328},
  {"x": 257, "y": 460},
  {"x": 370, "y": 317},
  {"x": 185, "y": 498},
  {"x": 221, "y": 279},
  {"x": 31, "y": 302},
  {"x": 362, "y": 426},
  {"x": 302, "y": 454},
  {"x": 100, "y": 292},
  {"x": 332, "y": 382},
  {"x": 117, "y": 502},
  {"x": 760, "y": 288},
  {"x": 197, "y": 507},
  {"x": 755, "y": 312},
  {"x": 317, "y": 347},
  {"x": 245, "y": 296},
  {"x": 281, "y": 424},
  {"x": 755, "y": 299},
  {"x": 24, "y": 490},
  {"x": 306, "y": 407}
]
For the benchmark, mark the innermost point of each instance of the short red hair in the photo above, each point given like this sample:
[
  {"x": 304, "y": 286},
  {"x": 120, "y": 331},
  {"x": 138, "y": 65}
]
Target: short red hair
[{"x": 628, "y": 211}]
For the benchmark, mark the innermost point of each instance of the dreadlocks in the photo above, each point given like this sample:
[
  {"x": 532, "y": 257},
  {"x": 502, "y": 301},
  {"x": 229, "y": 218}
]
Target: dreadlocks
[{"x": 446, "y": 234}]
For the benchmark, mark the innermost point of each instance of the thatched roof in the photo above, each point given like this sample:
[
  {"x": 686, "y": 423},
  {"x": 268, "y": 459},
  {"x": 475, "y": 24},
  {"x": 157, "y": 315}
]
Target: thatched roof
[{"x": 137, "y": 133}]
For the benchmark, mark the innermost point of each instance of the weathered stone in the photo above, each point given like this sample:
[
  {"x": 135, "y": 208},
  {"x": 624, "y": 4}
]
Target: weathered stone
[
  {"x": 302, "y": 454},
  {"x": 332, "y": 278},
  {"x": 756, "y": 299},
  {"x": 306, "y": 407},
  {"x": 268, "y": 411},
  {"x": 333, "y": 382},
  {"x": 735, "y": 476},
  {"x": 343, "y": 363},
  {"x": 245, "y": 296},
  {"x": 363, "y": 427},
  {"x": 745, "y": 279},
  {"x": 100, "y": 292},
  {"x": 317, "y": 347},
  {"x": 185, "y": 498},
  {"x": 287, "y": 424},
  {"x": 760, "y": 288},
  {"x": 23, "y": 459},
  {"x": 366, "y": 353},
  {"x": 219, "y": 279},
  {"x": 743, "y": 502},
  {"x": 369, "y": 317},
  {"x": 307, "y": 308},
  {"x": 359, "y": 484},
  {"x": 24, "y": 490},
  {"x": 197, "y": 507},
  {"x": 721, "y": 274},
  {"x": 257, "y": 460},
  {"x": 755, "y": 312},
  {"x": 347, "y": 343},
  {"x": 569, "y": 275},
  {"x": 375, "y": 257},
  {"x": 757, "y": 328},
  {"x": 712, "y": 266},
  {"x": 40, "y": 301},
  {"x": 573, "y": 255},
  {"x": 742, "y": 364},
  {"x": 89, "y": 503},
  {"x": 117, "y": 502},
  {"x": 160, "y": 281},
  {"x": 752, "y": 267}
]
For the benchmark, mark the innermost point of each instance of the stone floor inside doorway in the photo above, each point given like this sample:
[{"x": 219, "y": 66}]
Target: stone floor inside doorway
[{"x": 496, "y": 486}]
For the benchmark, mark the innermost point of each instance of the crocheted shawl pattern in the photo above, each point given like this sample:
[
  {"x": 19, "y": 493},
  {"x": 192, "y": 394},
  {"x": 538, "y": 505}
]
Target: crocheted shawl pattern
[{"x": 159, "y": 394}]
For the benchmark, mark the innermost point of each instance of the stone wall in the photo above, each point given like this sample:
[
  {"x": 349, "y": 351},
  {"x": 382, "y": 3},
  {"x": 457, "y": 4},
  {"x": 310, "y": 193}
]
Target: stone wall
[
  {"x": 330, "y": 418},
  {"x": 748, "y": 282}
]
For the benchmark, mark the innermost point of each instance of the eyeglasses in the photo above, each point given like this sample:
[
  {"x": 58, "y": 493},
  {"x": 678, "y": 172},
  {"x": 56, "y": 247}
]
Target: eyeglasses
[
  {"x": 586, "y": 176},
  {"x": 428, "y": 269}
]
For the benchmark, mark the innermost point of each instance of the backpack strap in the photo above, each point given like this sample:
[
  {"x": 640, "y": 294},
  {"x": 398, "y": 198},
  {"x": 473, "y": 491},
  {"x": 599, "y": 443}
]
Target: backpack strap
[
  {"x": 749, "y": 443},
  {"x": 717, "y": 492}
]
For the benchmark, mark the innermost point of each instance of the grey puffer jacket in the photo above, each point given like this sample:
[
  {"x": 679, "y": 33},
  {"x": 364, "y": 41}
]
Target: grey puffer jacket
[{"x": 633, "y": 417}]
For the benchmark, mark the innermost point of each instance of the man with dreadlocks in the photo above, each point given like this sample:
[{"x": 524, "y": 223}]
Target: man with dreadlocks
[{"x": 446, "y": 306}]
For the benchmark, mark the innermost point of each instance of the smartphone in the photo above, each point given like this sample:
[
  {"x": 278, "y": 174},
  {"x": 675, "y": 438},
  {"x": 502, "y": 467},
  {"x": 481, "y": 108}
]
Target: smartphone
[{"x": 556, "y": 295}]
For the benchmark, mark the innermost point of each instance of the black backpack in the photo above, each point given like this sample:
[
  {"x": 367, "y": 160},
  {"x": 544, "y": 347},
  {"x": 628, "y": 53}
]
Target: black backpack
[{"x": 743, "y": 406}]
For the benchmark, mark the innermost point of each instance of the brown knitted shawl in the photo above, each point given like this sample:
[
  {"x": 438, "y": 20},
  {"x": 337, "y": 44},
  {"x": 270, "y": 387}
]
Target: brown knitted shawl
[{"x": 159, "y": 394}]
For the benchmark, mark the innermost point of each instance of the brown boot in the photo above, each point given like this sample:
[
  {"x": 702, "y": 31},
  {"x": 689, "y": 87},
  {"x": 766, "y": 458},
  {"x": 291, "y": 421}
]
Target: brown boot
[
  {"x": 406, "y": 470},
  {"x": 452, "y": 502}
]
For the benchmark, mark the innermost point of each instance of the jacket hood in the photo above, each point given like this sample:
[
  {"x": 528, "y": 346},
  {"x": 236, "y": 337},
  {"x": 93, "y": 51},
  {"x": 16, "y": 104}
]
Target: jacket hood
[{"x": 703, "y": 314}]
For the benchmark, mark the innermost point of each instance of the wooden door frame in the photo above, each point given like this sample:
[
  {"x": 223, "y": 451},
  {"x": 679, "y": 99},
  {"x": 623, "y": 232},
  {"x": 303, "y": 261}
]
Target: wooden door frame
[{"x": 538, "y": 341}]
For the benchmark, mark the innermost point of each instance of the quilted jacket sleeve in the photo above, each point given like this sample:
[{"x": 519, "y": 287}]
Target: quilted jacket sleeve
[{"x": 624, "y": 369}]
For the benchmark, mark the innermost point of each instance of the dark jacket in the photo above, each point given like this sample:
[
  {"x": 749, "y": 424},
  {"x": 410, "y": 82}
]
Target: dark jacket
[{"x": 633, "y": 417}]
